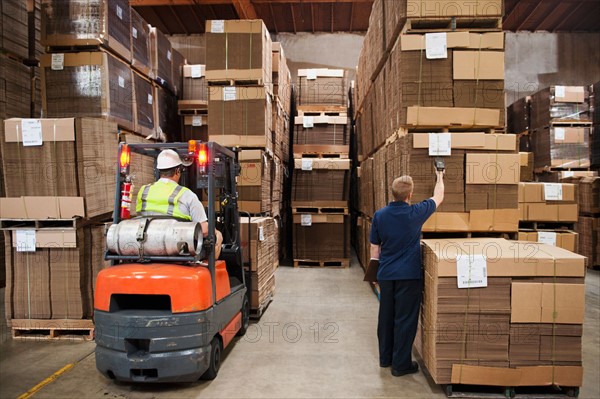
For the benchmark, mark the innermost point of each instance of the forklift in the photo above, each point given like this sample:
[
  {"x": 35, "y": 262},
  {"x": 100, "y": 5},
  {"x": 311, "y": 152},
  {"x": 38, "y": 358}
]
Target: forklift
[{"x": 166, "y": 308}]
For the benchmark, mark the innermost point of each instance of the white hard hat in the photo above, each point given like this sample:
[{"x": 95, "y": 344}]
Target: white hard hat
[{"x": 167, "y": 159}]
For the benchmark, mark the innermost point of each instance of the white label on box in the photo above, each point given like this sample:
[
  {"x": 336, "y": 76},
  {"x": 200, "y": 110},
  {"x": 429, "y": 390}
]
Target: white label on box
[
  {"x": 553, "y": 192},
  {"x": 196, "y": 71},
  {"x": 122, "y": 81},
  {"x": 25, "y": 240},
  {"x": 31, "y": 129},
  {"x": 436, "y": 46},
  {"x": 217, "y": 26},
  {"x": 471, "y": 271},
  {"x": 261, "y": 234},
  {"x": 134, "y": 32},
  {"x": 440, "y": 144},
  {"x": 306, "y": 220},
  {"x": 58, "y": 62},
  {"x": 568, "y": 174},
  {"x": 229, "y": 93},
  {"x": 197, "y": 120},
  {"x": 559, "y": 133},
  {"x": 307, "y": 164},
  {"x": 169, "y": 55},
  {"x": 308, "y": 121},
  {"x": 560, "y": 91},
  {"x": 547, "y": 237},
  {"x": 311, "y": 74},
  {"x": 119, "y": 12},
  {"x": 150, "y": 99}
]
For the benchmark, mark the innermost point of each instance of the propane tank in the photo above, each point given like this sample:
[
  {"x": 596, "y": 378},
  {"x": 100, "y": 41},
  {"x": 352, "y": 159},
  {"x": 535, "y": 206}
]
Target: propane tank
[
  {"x": 157, "y": 237},
  {"x": 126, "y": 199}
]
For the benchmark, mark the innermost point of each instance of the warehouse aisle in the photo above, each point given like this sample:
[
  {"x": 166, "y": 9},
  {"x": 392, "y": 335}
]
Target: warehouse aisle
[{"x": 317, "y": 339}]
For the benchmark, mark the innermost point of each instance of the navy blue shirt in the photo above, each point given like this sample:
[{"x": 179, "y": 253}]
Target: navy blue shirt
[{"x": 397, "y": 228}]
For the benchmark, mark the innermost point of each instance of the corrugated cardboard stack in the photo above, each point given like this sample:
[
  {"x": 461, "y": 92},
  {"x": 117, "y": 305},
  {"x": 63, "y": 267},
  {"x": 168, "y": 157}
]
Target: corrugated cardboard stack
[
  {"x": 588, "y": 225},
  {"x": 115, "y": 79},
  {"x": 193, "y": 105},
  {"x": 494, "y": 317},
  {"x": 254, "y": 183},
  {"x": 595, "y": 111},
  {"x": 260, "y": 253},
  {"x": 556, "y": 122},
  {"x": 282, "y": 106},
  {"x": 13, "y": 28},
  {"x": 58, "y": 178}
]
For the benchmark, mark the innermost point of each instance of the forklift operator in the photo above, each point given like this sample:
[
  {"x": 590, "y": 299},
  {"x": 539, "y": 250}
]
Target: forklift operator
[{"x": 167, "y": 197}]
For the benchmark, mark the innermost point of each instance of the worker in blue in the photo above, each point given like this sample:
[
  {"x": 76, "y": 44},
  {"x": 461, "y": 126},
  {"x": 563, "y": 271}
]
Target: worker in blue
[
  {"x": 167, "y": 197},
  {"x": 395, "y": 241}
]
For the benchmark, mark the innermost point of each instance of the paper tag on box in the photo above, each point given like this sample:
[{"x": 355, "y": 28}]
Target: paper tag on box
[
  {"x": 229, "y": 93},
  {"x": 553, "y": 192},
  {"x": 119, "y": 12},
  {"x": 311, "y": 74},
  {"x": 436, "y": 46},
  {"x": 58, "y": 62},
  {"x": 307, "y": 164},
  {"x": 560, "y": 91},
  {"x": 261, "y": 234},
  {"x": 308, "y": 122},
  {"x": 568, "y": 174},
  {"x": 547, "y": 237},
  {"x": 150, "y": 99},
  {"x": 306, "y": 220},
  {"x": 197, "y": 120},
  {"x": 440, "y": 144},
  {"x": 134, "y": 32},
  {"x": 217, "y": 26},
  {"x": 471, "y": 271},
  {"x": 196, "y": 71},
  {"x": 31, "y": 130},
  {"x": 25, "y": 240},
  {"x": 559, "y": 133},
  {"x": 122, "y": 81},
  {"x": 169, "y": 55}
]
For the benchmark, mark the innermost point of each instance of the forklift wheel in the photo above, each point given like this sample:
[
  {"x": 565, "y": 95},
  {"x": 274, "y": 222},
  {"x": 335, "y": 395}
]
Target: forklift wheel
[
  {"x": 216, "y": 350},
  {"x": 245, "y": 317}
]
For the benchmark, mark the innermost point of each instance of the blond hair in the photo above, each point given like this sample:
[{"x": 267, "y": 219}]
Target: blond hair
[{"x": 402, "y": 187}]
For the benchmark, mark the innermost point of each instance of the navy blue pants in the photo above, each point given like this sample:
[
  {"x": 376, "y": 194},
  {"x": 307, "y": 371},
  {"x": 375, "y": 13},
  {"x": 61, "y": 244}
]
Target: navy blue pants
[{"x": 400, "y": 301}]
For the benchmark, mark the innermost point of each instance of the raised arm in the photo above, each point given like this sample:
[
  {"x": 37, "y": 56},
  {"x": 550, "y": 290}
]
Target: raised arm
[{"x": 438, "y": 191}]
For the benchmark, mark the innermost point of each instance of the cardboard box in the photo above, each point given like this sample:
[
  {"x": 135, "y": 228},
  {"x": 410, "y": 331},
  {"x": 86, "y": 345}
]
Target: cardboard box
[
  {"x": 492, "y": 169},
  {"x": 239, "y": 50},
  {"x": 323, "y": 238},
  {"x": 108, "y": 23},
  {"x": 194, "y": 83},
  {"x": 563, "y": 239},
  {"x": 195, "y": 127},
  {"x": 547, "y": 303},
  {"x": 162, "y": 57},
  {"x": 535, "y": 192},
  {"x": 13, "y": 17},
  {"x": 144, "y": 108},
  {"x": 105, "y": 87},
  {"x": 461, "y": 40},
  {"x": 322, "y": 87},
  {"x": 321, "y": 130},
  {"x": 440, "y": 116},
  {"x": 76, "y": 158},
  {"x": 141, "y": 57},
  {"x": 561, "y": 147},
  {"x": 447, "y": 8},
  {"x": 526, "y": 162},
  {"x": 499, "y": 220},
  {"x": 254, "y": 182},
  {"x": 478, "y": 65}
]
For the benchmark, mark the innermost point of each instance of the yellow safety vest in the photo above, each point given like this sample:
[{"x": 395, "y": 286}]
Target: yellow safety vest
[{"x": 161, "y": 197}]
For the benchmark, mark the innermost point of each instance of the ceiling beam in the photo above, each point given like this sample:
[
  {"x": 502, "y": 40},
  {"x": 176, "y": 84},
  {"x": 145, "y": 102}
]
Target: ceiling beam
[
  {"x": 160, "y": 23},
  {"x": 142, "y": 3},
  {"x": 293, "y": 18},
  {"x": 312, "y": 17},
  {"x": 201, "y": 22},
  {"x": 351, "y": 17},
  {"x": 331, "y": 10},
  {"x": 511, "y": 13},
  {"x": 584, "y": 20},
  {"x": 528, "y": 17},
  {"x": 244, "y": 9},
  {"x": 178, "y": 20},
  {"x": 273, "y": 18},
  {"x": 567, "y": 17},
  {"x": 548, "y": 15}
]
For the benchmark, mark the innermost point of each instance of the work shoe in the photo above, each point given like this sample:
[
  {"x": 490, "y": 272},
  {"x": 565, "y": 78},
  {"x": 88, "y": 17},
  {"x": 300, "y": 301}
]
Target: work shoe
[
  {"x": 411, "y": 370},
  {"x": 384, "y": 365}
]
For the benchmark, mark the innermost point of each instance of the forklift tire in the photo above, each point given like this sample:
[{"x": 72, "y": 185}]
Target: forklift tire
[
  {"x": 245, "y": 317},
  {"x": 216, "y": 351}
]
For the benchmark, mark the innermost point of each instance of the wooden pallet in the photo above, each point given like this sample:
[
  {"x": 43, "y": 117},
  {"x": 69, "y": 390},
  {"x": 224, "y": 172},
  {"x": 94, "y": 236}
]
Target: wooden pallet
[
  {"x": 330, "y": 264},
  {"x": 571, "y": 123},
  {"x": 11, "y": 224},
  {"x": 320, "y": 210},
  {"x": 480, "y": 391},
  {"x": 321, "y": 151},
  {"x": 257, "y": 313},
  {"x": 320, "y": 155},
  {"x": 454, "y": 24},
  {"x": 235, "y": 82},
  {"x": 455, "y": 129},
  {"x": 550, "y": 169},
  {"x": 322, "y": 110},
  {"x": 59, "y": 329},
  {"x": 567, "y": 226},
  {"x": 435, "y": 235}
]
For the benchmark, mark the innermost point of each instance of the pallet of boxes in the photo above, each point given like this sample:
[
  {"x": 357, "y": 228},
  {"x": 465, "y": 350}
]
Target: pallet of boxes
[
  {"x": 430, "y": 84},
  {"x": 321, "y": 178},
  {"x": 238, "y": 75}
]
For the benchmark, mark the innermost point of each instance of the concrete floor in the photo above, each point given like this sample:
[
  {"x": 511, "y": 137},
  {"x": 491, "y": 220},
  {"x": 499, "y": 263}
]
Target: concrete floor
[{"x": 316, "y": 339}]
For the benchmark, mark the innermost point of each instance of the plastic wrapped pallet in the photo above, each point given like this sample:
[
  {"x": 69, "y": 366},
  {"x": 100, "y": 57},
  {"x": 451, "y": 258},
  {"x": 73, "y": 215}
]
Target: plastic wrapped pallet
[
  {"x": 560, "y": 104},
  {"x": 75, "y": 23},
  {"x": 321, "y": 130},
  {"x": 15, "y": 83},
  {"x": 321, "y": 237},
  {"x": 87, "y": 84},
  {"x": 73, "y": 158},
  {"x": 321, "y": 180},
  {"x": 168, "y": 123},
  {"x": 145, "y": 96},
  {"x": 162, "y": 57},
  {"x": 141, "y": 58},
  {"x": 13, "y": 28},
  {"x": 533, "y": 304},
  {"x": 518, "y": 116},
  {"x": 239, "y": 50},
  {"x": 561, "y": 147},
  {"x": 194, "y": 84},
  {"x": 192, "y": 47},
  {"x": 177, "y": 72},
  {"x": 589, "y": 238},
  {"x": 322, "y": 87},
  {"x": 195, "y": 127}
]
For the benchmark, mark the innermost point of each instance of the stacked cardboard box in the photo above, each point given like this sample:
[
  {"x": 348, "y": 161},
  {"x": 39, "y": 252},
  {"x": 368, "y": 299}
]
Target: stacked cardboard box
[
  {"x": 239, "y": 56},
  {"x": 595, "y": 110},
  {"x": 282, "y": 104},
  {"x": 322, "y": 87},
  {"x": 254, "y": 183},
  {"x": 588, "y": 225},
  {"x": 501, "y": 319},
  {"x": 193, "y": 105},
  {"x": 192, "y": 47},
  {"x": 548, "y": 202},
  {"x": 260, "y": 257},
  {"x": 558, "y": 121},
  {"x": 13, "y": 28},
  {"x": 526, "y": 162}
]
